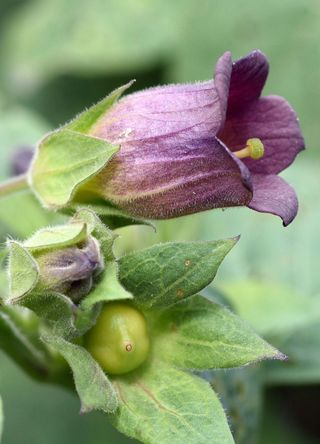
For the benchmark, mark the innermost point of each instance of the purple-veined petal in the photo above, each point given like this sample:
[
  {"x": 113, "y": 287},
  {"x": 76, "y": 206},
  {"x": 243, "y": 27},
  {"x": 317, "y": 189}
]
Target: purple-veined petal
[
  {"x": 169, "y": 180},
  {"x": 222, "y": 82},
  {"x": 272, "y": 194},
  {"x": 272, "y": 120},
  {"x": 187, "y": 110},
  {"x": 248, "y": 77}
]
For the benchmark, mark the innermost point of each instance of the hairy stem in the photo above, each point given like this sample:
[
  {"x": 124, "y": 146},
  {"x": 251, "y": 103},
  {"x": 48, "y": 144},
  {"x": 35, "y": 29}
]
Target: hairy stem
[{"x": 13, "y": 185}]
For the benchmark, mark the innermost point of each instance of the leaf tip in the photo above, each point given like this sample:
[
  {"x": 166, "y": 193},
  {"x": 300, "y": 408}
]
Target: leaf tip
[
  {"x": 280, "y": 356},
  {"x": 274, "y": 354},
  {"x": 231, "y": 242}
]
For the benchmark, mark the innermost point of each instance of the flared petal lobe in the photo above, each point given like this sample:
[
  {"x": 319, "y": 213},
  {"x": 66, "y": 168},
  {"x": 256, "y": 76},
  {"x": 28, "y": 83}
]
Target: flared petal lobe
[
  {"x": 272, "y": 120},
  {"x": 248, "y": 77},
  {"x": 272, "y": 194},
  {"x": 222, "y": 78},
  {"x": 169, "y": 180}
]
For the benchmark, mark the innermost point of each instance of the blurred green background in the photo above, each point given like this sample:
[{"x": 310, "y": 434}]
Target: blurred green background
[{"x": 58, "y": 57}]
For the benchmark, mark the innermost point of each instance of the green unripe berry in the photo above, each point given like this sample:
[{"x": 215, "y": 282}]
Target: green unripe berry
[{"x": 119, "y": 341}]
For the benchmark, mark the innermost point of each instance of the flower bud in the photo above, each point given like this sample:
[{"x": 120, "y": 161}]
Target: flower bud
[
  {"x": 21, "y": 159},
  {"x": 119, "y": 341},
  {"x": 70, "y": 270}
]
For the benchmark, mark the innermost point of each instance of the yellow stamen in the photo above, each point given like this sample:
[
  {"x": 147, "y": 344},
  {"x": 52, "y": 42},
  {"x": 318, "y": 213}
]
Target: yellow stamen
[{"x": 253, "y": 149}]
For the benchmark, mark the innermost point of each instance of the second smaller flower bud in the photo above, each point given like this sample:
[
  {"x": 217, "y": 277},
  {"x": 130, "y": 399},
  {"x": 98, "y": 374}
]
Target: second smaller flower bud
[{"x": 71, "y": 270}]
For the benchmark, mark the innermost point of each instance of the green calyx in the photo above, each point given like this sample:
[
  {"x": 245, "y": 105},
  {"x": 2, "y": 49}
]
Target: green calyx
[
  {"x": 63, "y": 259},
  {"x": 119, "y": 341},
  {"x": 68, "y": 157},
  {"x": 71, "y": 270}
]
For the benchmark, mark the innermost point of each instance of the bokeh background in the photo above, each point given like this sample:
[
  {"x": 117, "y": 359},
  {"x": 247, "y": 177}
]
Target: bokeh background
[{"x": 57, "y": 57}]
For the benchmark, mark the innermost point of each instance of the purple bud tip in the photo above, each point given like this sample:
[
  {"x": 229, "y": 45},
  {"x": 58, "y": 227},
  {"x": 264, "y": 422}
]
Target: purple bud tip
[
  {"x": 71, "y": 270},
  {"x": 21, "y": 160}
]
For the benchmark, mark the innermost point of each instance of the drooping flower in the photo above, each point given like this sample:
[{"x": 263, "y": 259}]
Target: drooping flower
[{"x": 180, "y": 143}]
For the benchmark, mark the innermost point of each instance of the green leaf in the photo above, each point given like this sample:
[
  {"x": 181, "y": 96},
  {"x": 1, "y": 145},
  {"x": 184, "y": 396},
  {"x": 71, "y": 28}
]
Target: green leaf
[
  {"x": 166, "y": 273},
  {"x": 4, "y": 284},
  {"x": 107, "y": 289},
  {"x": 85, "y": 319},
  {"x": 64, "y": 160},
  {"x": 89, "y": 118},
  {"x": 104, "y": 235},
  {"x": 23, "y": 271},
  {"x": 93, "y": 386},
  {"x": 57, "y": 237},
  {"x": 161, "y": 404},
  {"x": 199, "y": 334},
  {"x": 55, "y": 308},
  {"x": 61, "y": 315},
  {"x": 272, "y": 309}
]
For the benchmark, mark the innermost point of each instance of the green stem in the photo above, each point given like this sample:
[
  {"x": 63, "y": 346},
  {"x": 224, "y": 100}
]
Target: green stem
[{"x": 13, "y": 185}]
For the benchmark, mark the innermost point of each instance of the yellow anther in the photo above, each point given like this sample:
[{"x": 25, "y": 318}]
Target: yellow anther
[{"x": 253, "y": 149}]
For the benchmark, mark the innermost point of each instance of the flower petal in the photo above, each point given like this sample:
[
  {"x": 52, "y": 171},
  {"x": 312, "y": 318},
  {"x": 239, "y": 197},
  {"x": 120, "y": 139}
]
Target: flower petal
[
  {"x": 187, "y": 110},
  {"x": 271, "y": 194},
  {"x": 222, "y": 82},
  {"x": 170, "y": 180},
  {"x": 248, "y": 77},
  {"x": 272, "y": 120}
]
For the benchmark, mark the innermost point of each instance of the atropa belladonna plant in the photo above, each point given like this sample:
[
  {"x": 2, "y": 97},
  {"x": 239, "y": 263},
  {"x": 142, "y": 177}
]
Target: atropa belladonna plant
[{"x": 136, "y": 329}]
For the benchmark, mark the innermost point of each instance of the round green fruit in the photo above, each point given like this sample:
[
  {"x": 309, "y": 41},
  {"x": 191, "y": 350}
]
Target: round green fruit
[{"x": 119, "y": 341}]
